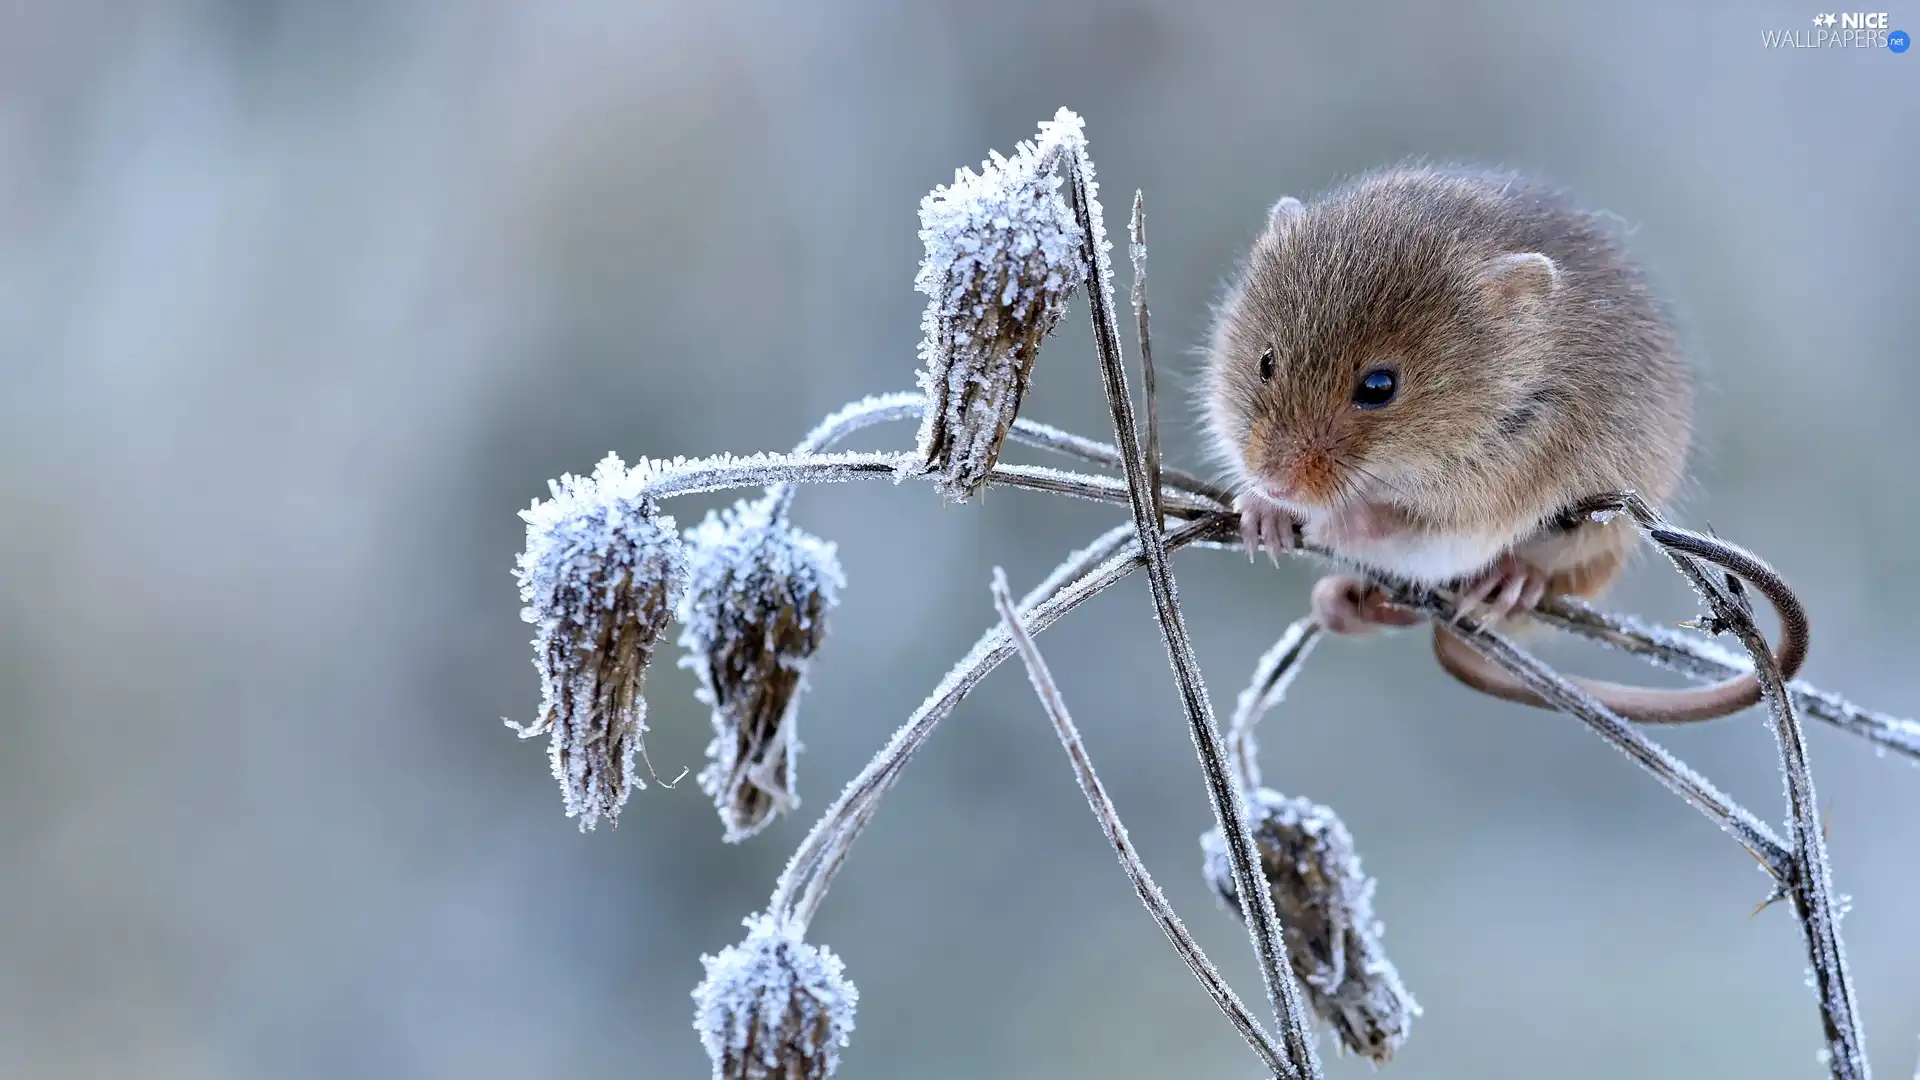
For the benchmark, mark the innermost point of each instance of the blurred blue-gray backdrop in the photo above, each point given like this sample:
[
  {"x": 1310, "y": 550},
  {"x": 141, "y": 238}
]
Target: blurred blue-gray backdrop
[{"x": 300, "y": 302}]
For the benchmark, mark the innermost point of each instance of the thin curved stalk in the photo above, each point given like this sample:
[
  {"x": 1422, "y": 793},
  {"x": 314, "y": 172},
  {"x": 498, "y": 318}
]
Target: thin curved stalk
[
  {"x": 856, "y": 416},
  {"x": 844, "y": 832},
  {"x": 1271, "y": 677},
  {"x": 994, "y": 648},
  {"x": 1108, "y": 815},
  {"x": 722, "y": 472},
  {"x": 1811, "y": 882},
  {"x": 1708, "y": 660},
  {"x": 1677, "y": 775},
  {"x": 1263, "y": 923},
  {"x": 1097, "y": 488},
  {"x": 1142, "y": 319}
]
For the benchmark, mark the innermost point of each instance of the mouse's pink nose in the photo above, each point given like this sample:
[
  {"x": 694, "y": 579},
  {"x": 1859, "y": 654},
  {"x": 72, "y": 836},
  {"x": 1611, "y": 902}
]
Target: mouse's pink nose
[
  {"x": 1292, "y": 469},
  {"x": 1308, "y": 480}
]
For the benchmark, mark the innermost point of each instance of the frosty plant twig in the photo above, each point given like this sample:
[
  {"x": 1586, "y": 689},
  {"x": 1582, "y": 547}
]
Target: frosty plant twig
[
  {"x": 1271, "y": 677},
  {"x": 1810, "y": 886},
  {"x": 1313, "y": 872},
  {"x": 1116, "y": 833},
  {"x": 604, "y": 572},
  {"x": 1229, "y": 810}
]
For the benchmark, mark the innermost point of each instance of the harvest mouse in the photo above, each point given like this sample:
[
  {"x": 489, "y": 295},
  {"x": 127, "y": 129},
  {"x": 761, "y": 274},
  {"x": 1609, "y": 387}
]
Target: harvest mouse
[{"x": 1422, "y": 371}]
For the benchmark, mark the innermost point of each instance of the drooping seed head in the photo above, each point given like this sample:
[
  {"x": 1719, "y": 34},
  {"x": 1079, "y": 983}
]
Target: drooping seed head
[
  {"x": 774, "y": 1007},
  {"x": 1002, "y": 259},
  {"x": 600, "y": 576},
  {"x": 752, "y": 618},
  {"x": 1325, "y": 904}
]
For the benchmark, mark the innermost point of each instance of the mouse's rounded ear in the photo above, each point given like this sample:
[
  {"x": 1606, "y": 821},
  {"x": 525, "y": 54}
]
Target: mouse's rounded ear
[
  {"x": 1519, "y": 280},
  {"x": 1283, "y": 216}
]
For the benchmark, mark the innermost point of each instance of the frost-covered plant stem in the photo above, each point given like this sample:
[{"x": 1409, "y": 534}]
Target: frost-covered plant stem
[
  {"x": 1810, "y": 884},
  {"x": 1229, "y": 809},
  {"x": 1701, "y": 658},
  {"x": 994, "y": 648},
  {"x": 852, "y": 818},
  {"x": 826, "y": 846},
  {"x": 1677, "y": 775},
  {"x": 724, "y": 472},
  {"x": 1802, "y": 873},
  {"x": 683, "y": 477},
  {"x": 1271, "y": 677},
  {"x": 1116, "y": 832},
  {"x": 1186, "y": 496},
  {"x": 892, "y": 408},
  {"x": 1149, "y": 388}
]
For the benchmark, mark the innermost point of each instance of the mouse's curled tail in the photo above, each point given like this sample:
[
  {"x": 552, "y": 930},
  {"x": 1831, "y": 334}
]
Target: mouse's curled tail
[{"x": 1649, "y": 705}]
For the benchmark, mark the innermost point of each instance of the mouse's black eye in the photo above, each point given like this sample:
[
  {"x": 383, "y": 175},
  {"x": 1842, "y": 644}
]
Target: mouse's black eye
[
  {"x": 1266, "y": 366},
  {"x": 1376, "y": 388}
]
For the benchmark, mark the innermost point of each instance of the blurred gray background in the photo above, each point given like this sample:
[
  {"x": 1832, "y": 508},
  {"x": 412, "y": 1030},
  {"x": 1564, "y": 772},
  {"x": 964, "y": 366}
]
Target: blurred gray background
[{"x": 301, "y": 302}]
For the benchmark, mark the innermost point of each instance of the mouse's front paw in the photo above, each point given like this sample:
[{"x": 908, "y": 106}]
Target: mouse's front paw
[
  {"x": 1349, "y": 604},
  {"x": 1265, "y": 525}
]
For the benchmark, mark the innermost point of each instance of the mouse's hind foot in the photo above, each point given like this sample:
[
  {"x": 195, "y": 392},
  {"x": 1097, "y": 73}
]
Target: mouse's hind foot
[
  {"x": 1350, "y": 604},
  {"x": 1510, "y": 587}
]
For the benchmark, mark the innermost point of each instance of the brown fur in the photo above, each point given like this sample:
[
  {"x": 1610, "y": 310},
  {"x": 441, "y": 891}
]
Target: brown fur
[
  {"x": 1505, "y": 413},
  {"x": 1525, "y": 384}
]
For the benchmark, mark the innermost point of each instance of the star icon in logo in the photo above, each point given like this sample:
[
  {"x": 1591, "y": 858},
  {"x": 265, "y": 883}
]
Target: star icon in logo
[{"x": 1824, "y": 20}]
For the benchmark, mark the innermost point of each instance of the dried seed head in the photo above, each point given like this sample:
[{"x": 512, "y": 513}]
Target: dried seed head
[
  {"x": 600, "y": 576},
  {"x": 1325, "y": 902},
  {"x": 774, "y": 1007},
  {"x": 752, "y": 619},
  {"x": 1002, "y": 259}
]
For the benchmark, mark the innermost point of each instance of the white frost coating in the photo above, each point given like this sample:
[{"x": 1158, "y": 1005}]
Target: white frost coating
[
  {"x": 600, "y": 576},
  {"x": 774, "y": 1007},
  {"x": 1002, "y": 259},
  {"x": 993, "y": 647},
  {"x": 1103, "y": 545},
  {"x": 1275, "y": 672},
  {"x": 661, "y": 478},
  {"x": 854, "y": 415},
  {"x": 752, "y": 619},
  {"x": 1703, "y": 647}
]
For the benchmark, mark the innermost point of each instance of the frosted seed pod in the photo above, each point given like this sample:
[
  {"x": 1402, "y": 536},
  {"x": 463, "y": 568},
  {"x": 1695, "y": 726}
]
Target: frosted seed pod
[
  {"x": 1325, "y": 904},
  {"x": 752, "y": 618},
  {"x": 774, "y": 1007},
  {"x": 600, "y": 576},
  {"x": 1002, "y": 259}
]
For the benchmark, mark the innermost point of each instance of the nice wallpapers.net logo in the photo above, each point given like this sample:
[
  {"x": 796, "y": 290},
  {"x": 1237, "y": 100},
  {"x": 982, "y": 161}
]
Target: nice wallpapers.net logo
[{"x": 1842, "y": 30}]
